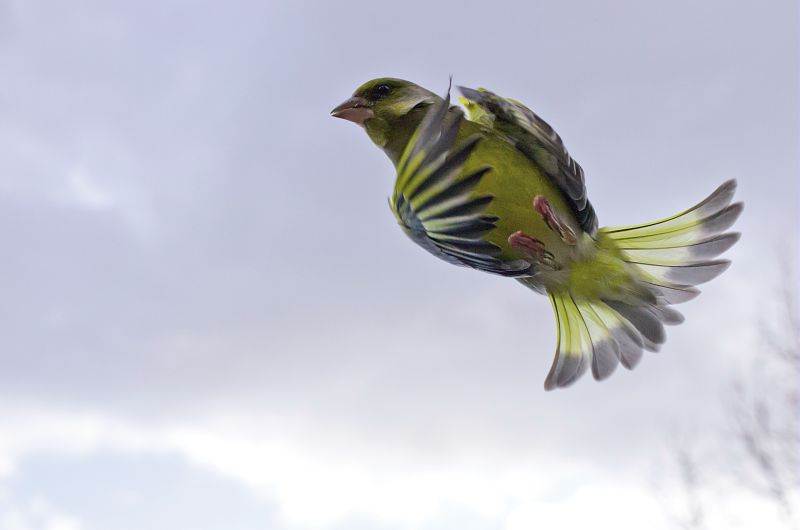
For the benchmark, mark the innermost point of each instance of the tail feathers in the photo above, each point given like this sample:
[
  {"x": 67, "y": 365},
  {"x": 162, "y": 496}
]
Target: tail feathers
[
  {"x": 676, "y": 253},
  {"x": 711, "y": 216},
  {"x": 666, "y": 260},
  {"x": 602, "y": 334}
]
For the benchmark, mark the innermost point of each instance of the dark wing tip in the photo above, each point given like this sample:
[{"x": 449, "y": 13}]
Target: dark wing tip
[
  {"x": 729, "y": 186},
  {"x": 469, "y": 93}
]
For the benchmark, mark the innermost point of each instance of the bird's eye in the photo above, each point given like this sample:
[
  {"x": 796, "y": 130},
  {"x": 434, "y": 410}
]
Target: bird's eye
[{"x": 382, "y": 90}]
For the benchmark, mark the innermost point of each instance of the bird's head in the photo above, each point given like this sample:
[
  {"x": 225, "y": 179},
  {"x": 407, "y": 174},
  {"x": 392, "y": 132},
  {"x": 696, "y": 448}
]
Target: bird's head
[
  {"x": 385, "y": 98},
  {"x": 384, "y": 108}
]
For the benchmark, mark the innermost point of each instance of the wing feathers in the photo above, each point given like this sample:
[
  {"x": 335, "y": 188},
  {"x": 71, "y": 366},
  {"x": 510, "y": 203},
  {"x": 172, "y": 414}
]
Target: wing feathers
[
  {"x": 539, "y": 142},
  {"x": 434, "y": 202}
]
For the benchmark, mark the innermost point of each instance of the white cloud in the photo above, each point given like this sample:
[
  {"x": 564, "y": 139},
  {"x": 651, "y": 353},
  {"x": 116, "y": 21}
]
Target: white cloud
[
  {"x": 123, "y": 197},
  {"x": 590, "y": 506},
  {"x": 315, "y": 485},
  {"x": 33, "y": 514},
  {"x": 87, "y": 192}
]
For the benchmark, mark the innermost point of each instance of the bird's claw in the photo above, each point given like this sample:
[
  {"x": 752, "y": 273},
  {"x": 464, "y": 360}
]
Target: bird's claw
[
  {"x": 533, "y": 248},
  {"x": 553, "y": 221}
]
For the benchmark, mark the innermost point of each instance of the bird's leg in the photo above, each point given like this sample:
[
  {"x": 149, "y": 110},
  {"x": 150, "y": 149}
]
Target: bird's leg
[
  {"x": 533, "y": 248},
  {"x": 553, "y": 221}
]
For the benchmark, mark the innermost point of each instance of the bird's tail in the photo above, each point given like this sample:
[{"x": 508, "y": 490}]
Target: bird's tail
[{"x": 622, "y": 302}]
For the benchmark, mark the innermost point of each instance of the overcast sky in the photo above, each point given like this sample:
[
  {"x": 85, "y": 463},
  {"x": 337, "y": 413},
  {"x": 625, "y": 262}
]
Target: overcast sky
[{"x": 209, "y": 318}]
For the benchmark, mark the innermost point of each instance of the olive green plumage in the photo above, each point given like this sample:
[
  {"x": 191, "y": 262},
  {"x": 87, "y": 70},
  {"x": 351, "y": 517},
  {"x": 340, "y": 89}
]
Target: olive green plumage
[{"x": 497, "y": 191}]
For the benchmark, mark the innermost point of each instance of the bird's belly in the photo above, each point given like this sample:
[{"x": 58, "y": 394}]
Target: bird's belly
[{"x": 514, "y": 182}]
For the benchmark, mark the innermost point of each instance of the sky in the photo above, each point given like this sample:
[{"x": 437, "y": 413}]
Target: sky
[{"x": 209, "y": 318}]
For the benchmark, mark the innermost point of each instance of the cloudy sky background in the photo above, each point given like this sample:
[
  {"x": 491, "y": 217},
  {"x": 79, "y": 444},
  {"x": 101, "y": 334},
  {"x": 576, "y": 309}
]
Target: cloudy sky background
[{"x": 209, "y": 318}]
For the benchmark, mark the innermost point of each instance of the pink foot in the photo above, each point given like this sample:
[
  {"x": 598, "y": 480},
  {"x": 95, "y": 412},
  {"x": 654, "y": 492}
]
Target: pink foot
[
  {"x": 553, "y": 221},
  {"x": 533, "y": 248}
]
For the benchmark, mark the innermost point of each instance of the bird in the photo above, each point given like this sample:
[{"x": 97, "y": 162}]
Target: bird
[{"x": 492, "y": 187}]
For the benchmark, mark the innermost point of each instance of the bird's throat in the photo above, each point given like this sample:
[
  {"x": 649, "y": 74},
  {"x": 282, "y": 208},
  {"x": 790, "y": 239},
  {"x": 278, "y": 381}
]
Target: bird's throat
[{"x": 393, "y": 136}]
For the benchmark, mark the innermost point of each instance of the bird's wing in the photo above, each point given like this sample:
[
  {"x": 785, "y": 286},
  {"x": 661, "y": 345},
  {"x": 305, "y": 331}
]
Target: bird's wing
[
  {"x": 539, "y": 142},
  {"x": 432, "y": 198}
]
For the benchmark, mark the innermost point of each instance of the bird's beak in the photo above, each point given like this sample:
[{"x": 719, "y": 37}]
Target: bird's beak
[{"x": 355, "y": 109}]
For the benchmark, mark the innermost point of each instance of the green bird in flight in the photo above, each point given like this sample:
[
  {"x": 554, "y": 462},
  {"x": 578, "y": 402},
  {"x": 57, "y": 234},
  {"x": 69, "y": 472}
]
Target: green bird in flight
[{"x": 497, "y": 191}]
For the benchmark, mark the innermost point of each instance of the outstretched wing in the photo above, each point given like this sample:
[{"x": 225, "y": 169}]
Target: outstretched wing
[
  {"x": 433, "y": 199},
  {"x": 540, "y": 143}
]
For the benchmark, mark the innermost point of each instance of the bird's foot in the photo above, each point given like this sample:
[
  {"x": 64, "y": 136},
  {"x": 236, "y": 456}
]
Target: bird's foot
[
  {"x": 553, "y": 221},
  {"x": 533, "y": 248}
]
